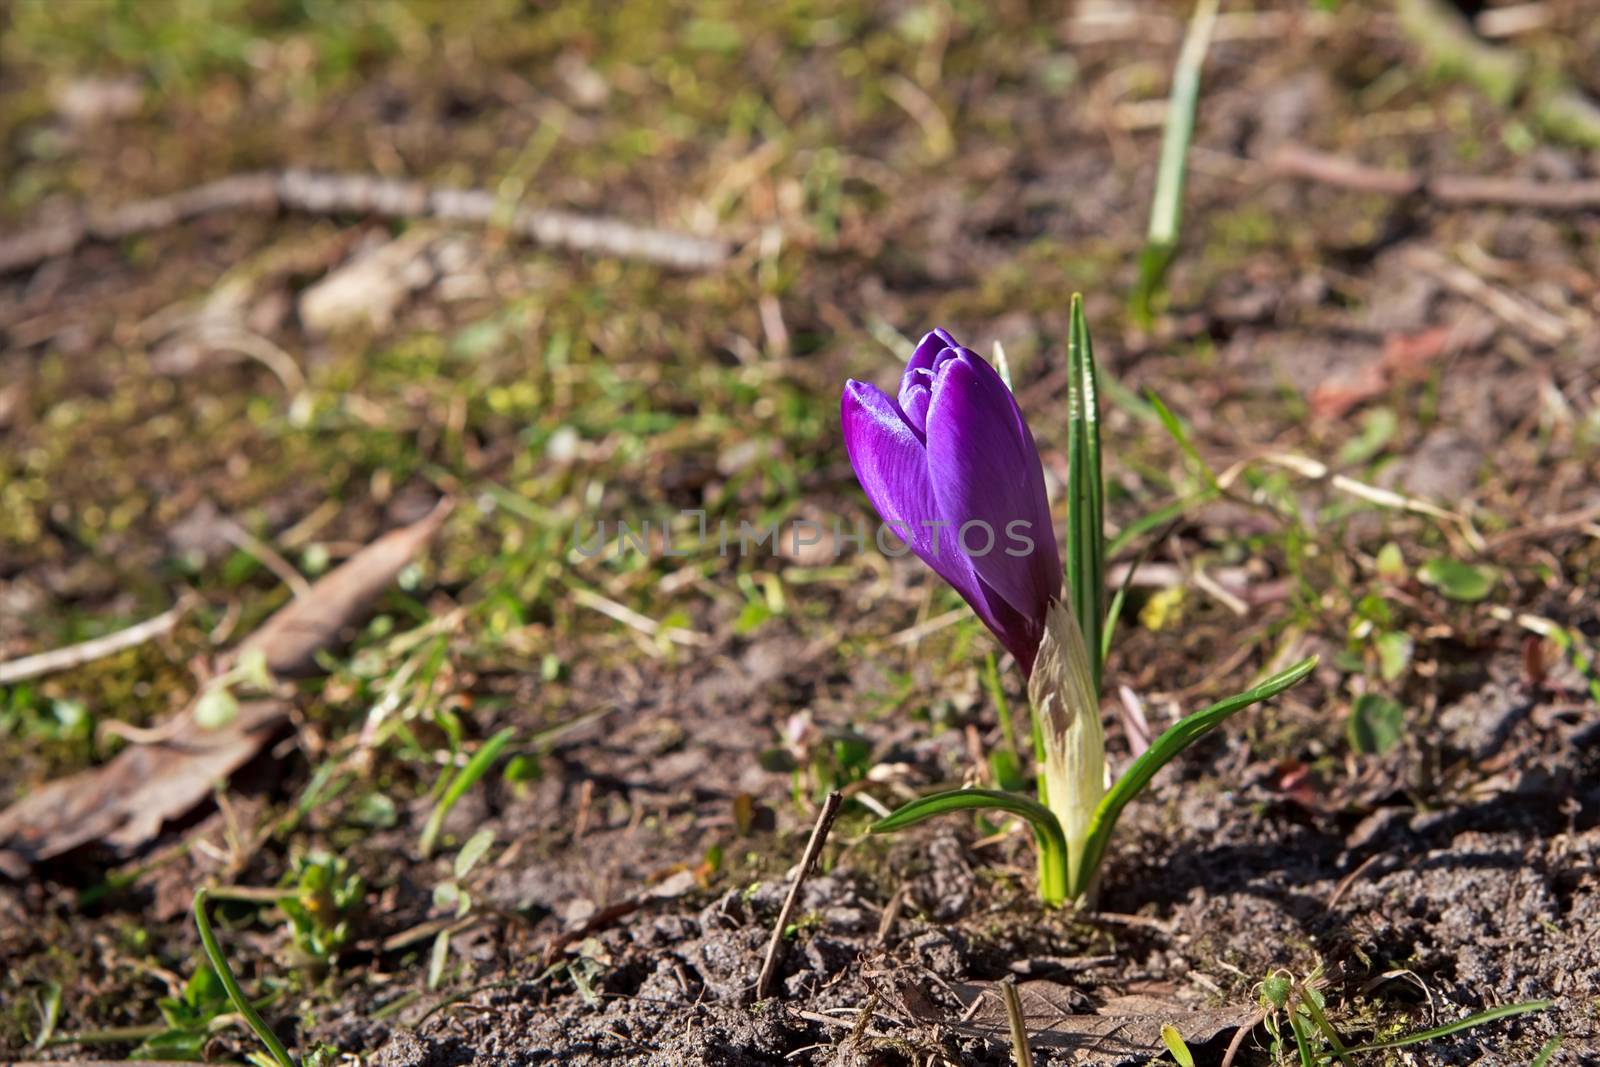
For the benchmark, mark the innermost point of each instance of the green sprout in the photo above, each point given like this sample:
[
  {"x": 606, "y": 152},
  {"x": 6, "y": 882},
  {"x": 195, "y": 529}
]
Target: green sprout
[{"x": 325, "y": 891}]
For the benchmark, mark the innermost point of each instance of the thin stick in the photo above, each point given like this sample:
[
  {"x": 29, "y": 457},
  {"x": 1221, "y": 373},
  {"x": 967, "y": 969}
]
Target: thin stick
[
  {"x": 268, "y": 557},
  {"x": 1020, "y": 1052},
  {"x": 1244, "y": 1031},
  {"x": 819, "y": 834},
  {"x": 62, "y": 659},
  {"x": 1306, "y": 164},
  {"x": 316, "y": 193}
]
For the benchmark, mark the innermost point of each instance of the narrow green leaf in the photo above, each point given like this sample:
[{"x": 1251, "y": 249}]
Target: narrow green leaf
[
  {"x": 1504, "y": 1011},
  {"x": 924, "y": 808},
  {"x": 1550, "y": 1048},
  {"x": 1177, "y": 737},
  {"x": 1156, "y": 519},
  {"x": 1302, "y": 1042},
  {"x": 1002, "y": 365},
  {"x": 1046, "y": 829},
  {"x": 1086, "y": 551},
  {"x": 476, "y": 767},
  {"x": 438, "y": 956},
  {"x": 1166, "y": 208},
  {"x": 49, "y": 1006},
  {"x": 1314, "y": 1009},
  {"x": 1007, "y": 770},
  {"x": 1394, "y": 653},
  {"x": 1180, "y": 434},
  {"x": 473, "y": 851},
  {"x": 1176, "y": 1045},
  {"x": 219, "y": 963},
  {"x": 1002, "y": 706},
  {"x": 1119, "y": 599}
]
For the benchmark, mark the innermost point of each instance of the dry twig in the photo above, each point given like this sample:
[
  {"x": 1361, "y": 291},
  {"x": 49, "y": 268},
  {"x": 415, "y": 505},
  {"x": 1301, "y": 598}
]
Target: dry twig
[
  {"x": 315, "y": 193},
  {"x": 62, "y": 659},
  {"x": 819, "y": 835},
  {"x": 1298, "y": 161}
]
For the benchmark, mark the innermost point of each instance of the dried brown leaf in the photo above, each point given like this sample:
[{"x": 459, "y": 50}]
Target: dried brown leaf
[
  {"x": 1123, "y": 1026},
  {"x": 125, "y": 802},
  {"x": 302, "y": 628}
]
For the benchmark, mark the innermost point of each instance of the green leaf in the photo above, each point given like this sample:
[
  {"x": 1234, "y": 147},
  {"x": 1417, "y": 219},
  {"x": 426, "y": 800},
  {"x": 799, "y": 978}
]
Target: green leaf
[
  {"x": 1504, "y": 1011},
  {"x": 1175, "y": 1045},
  {"x": 1275, "y": 990},
  {"x": 1178, "y": 737},
  {"x": 1166, "y": 207},
  {"x": 1311, "y": 1003},
  {"x": 1391, "y": 563},
  {"x": 1180, "y": 436},
  {"x": 1376, "y": 724},
  {"x": 476, "y": 767},
  {"x": 438, "y": 956},
  {"x": 49, "y": 1005},
  {"x": 1550, "y": 1048},
  {"x": 473, "y": 851},
  {"x": 1046, "y": 829},
  {"x": 1457, "y": 580},
  {"x": 216, "y": 708},
  {"x": 1302, "y": 1042},
  {"x": 1394, "y": 653},
  {"x": 1086, "y": 548},
  {"x": 219, "y": 963},
  {"x": 1377, "y": 429},
  {"x": 1007, "y": 771}
]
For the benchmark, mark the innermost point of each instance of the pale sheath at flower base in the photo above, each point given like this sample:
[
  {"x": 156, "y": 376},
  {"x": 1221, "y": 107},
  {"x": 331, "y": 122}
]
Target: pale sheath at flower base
[{"x": 953, "y": 470}]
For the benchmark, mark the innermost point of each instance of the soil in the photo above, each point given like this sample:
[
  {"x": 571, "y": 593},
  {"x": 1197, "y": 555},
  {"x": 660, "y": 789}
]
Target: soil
[{"x": 637, "y": 873}]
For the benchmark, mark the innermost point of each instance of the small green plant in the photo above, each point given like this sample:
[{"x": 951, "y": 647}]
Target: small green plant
[
  {"x": 1295, "y": 1014},
  {"x": 325, "y": 891},
  {"x": 954, "y": 452},
  {"x": 818, "y": 760},
  {"x": 190, "y": 1018}
]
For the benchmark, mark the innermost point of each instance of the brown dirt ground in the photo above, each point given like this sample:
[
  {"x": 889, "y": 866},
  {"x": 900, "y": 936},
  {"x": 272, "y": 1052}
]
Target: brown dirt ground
[{"x": 1456, "y": 873}]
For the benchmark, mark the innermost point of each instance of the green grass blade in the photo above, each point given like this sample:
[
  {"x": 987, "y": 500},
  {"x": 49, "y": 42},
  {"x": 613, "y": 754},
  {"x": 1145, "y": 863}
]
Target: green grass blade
[
  {"x": 1504, "y": 1011},
  {"x": 219, "y": 963},
  {"x": 1550, "y": 1048},
  {"x": 1086, "y": 550},
  {"x": 1178, "y": 737},
  {"x": 1313, "y": 1009},
  {"x": 1046, "y": 829},
  {"x": 1302, "y": 1041},
  {"x": 1002, "y": 706},
  {"x": 1180, "y": 434},
  {"x": 476, "y": 767},
  {"x": 1119, "y": 599},
  {"x": 1166, "y": 208}
]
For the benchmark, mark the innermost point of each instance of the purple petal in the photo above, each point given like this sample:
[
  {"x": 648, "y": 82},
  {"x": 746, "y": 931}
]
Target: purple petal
[
  {"x": 916, "y": 384},
  {"x": 892, "y": 466},
  {"x": 984, "y": 467}
]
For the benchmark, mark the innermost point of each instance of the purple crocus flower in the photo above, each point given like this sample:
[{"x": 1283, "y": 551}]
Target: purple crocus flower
[{"x": 954, "y": 472}]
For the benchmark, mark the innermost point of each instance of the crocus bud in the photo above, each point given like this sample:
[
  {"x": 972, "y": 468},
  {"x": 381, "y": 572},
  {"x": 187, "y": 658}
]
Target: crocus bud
[
  {"x": 1067, "y": 709},
  {"x": 954, "y": 472}
]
